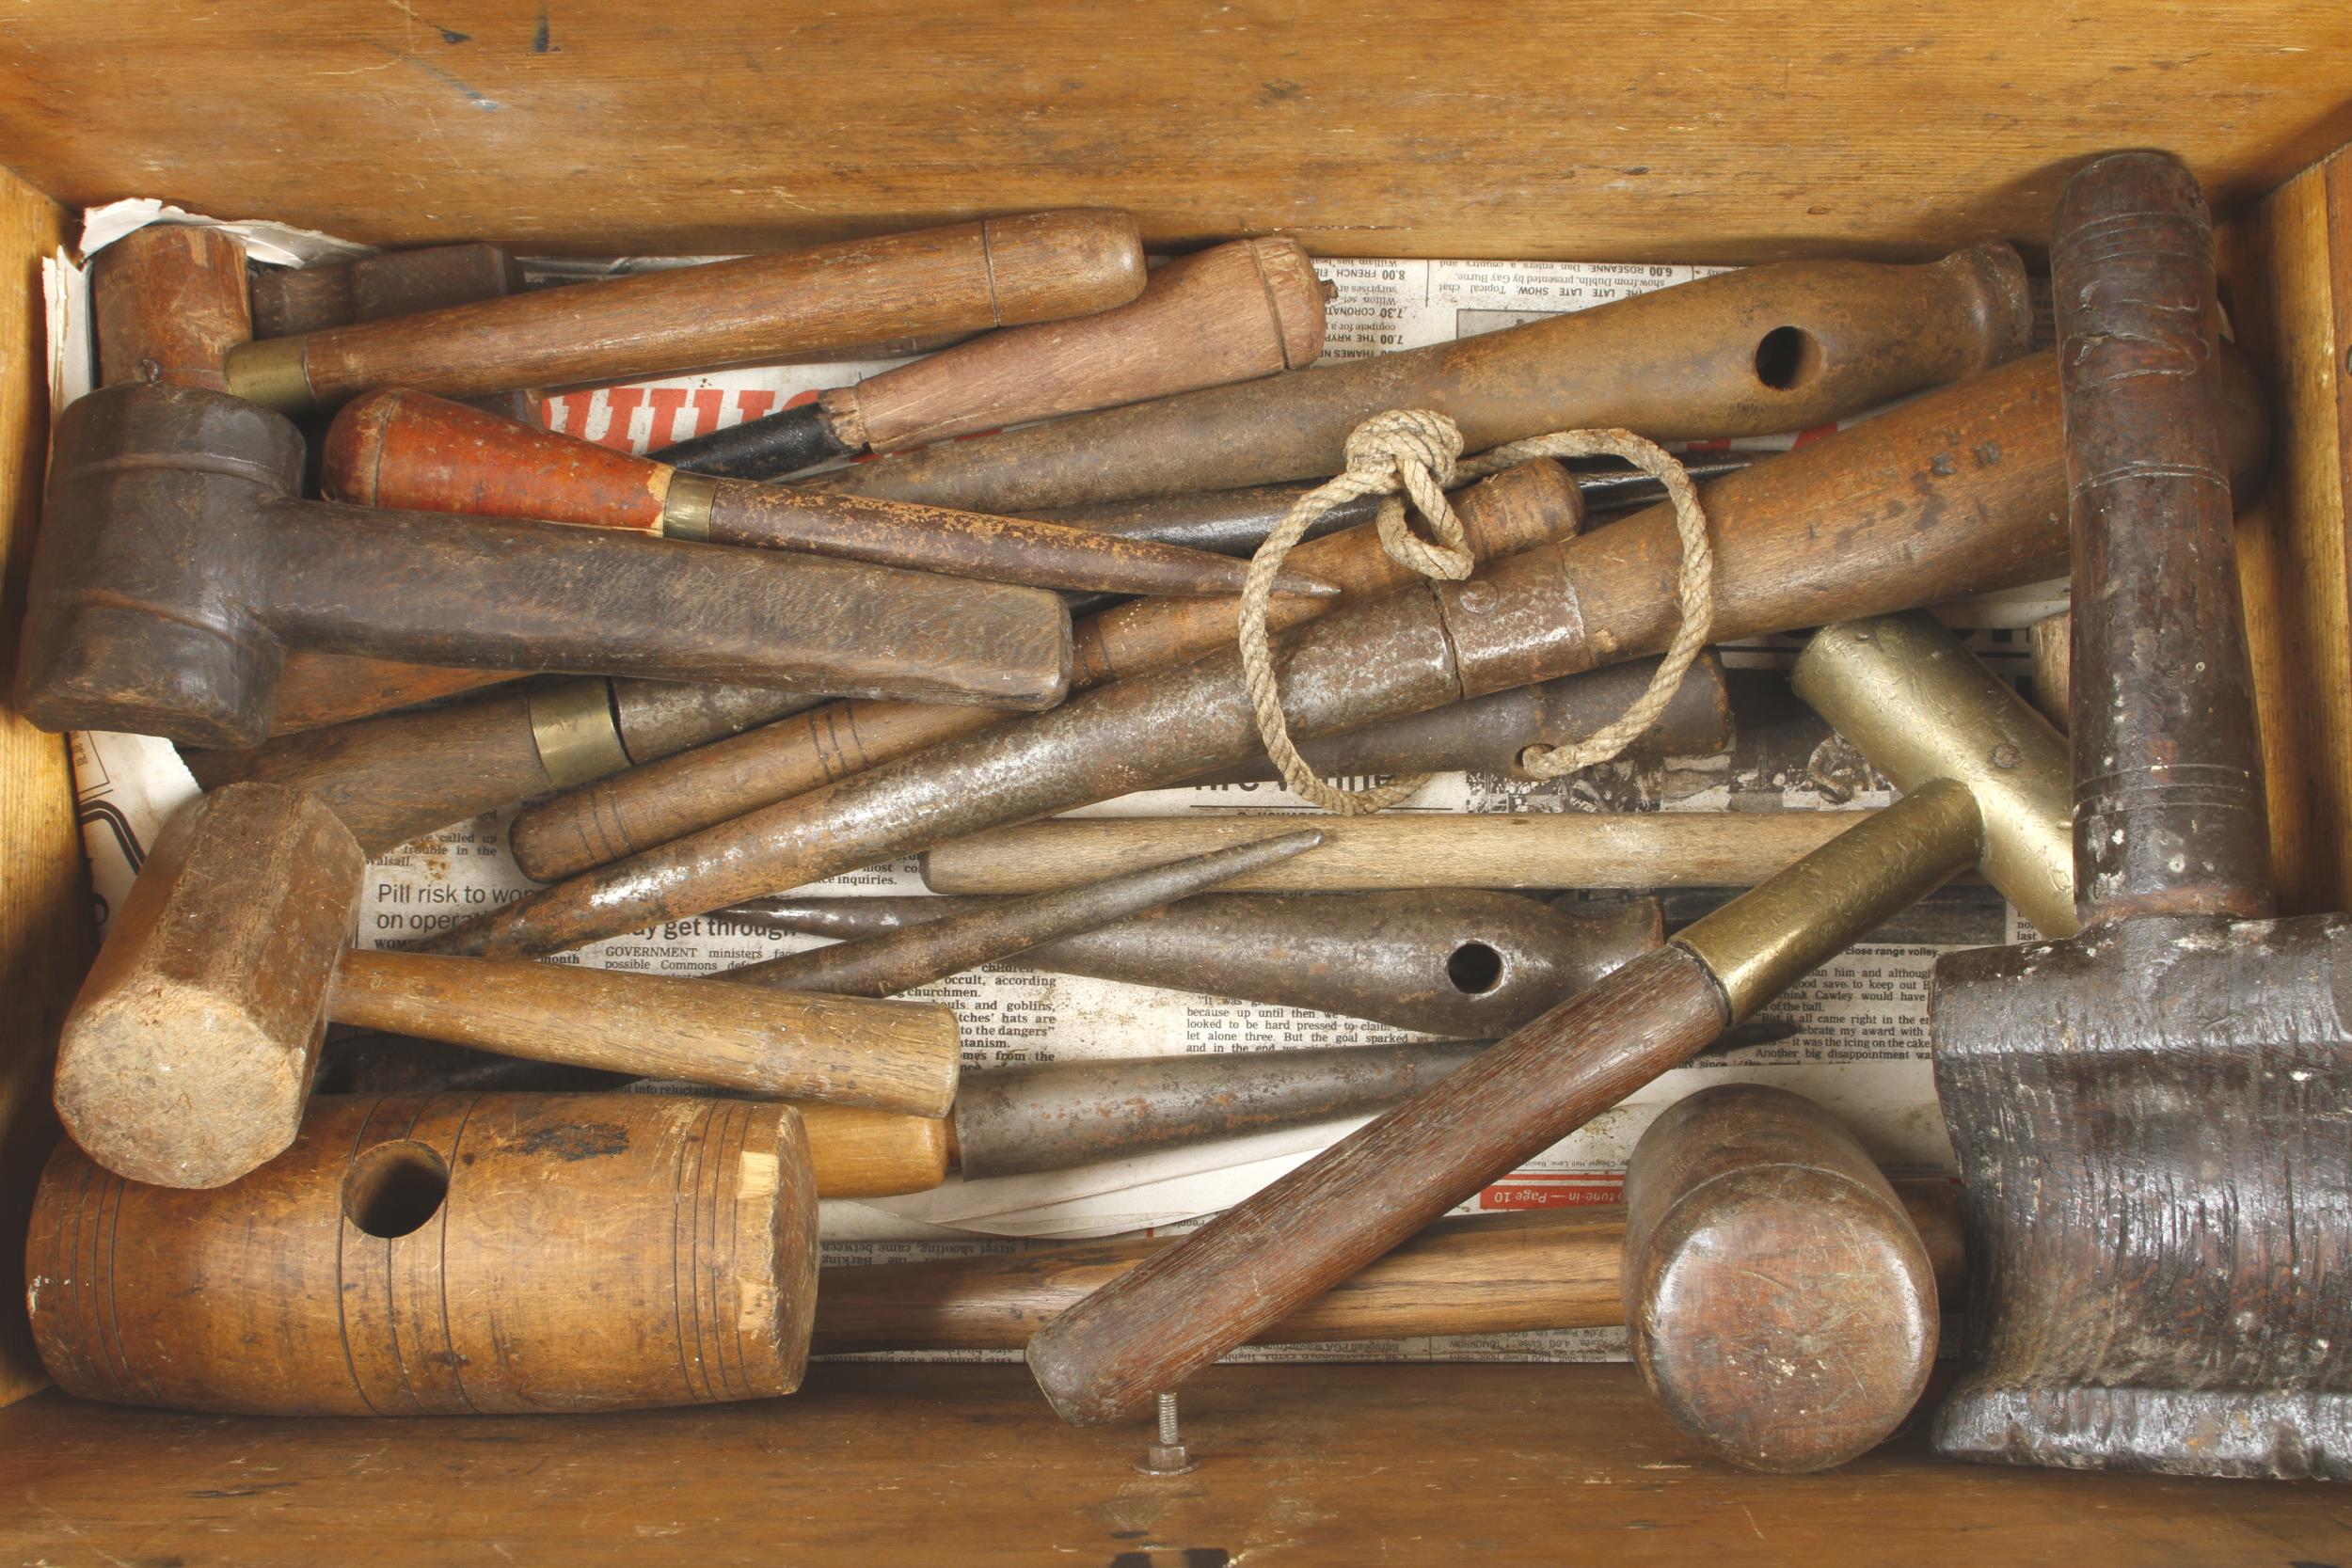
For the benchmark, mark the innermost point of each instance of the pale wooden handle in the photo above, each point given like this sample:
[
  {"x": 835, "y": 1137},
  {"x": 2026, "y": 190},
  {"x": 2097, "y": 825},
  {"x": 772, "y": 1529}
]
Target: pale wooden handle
[
  {"x": 1229, "y": 313},
  {"x": 1570, "y": 849},
  {"x": 889, "y": 1056},
  {"x": 865, "y": 1153}
]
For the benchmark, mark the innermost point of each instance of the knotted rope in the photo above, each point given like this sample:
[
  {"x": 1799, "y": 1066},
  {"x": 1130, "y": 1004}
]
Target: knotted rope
[{"x": 1418, "y": 454}]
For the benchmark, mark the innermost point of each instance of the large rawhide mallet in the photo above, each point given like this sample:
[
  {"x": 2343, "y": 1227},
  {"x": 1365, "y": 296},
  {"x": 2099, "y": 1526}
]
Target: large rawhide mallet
[
  {"x": 2152, "y": 1116},
  {"x": 1037, "y": 266},
  {"x": 187, "y": 1056},
  {"x": 405, "y": 449},
  {"x": 1349, "y": 1205},
  {"x": 444, "y": 1255},
  {"x": 176, "y": 565},
  {"x": 1779, "y": 1302}
]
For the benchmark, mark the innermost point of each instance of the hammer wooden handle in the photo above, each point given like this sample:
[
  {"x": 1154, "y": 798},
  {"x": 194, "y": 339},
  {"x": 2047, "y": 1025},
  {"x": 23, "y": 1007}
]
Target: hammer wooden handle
[
  {"x": 650, "y": 806},
  {"x": 859, "y": 1152},
  {"x": 1229, "y": 313},
  {"x": 1770, "y": 348},
  {"x": 1566, "y": 849},
  {"x": 993, "y": 272},
  {"x": 886, "y": 1055},
  {"x": 1491, "y": 1274},
  {"x": 405, "y": 449},
  {"x": 289, "y": 301}
]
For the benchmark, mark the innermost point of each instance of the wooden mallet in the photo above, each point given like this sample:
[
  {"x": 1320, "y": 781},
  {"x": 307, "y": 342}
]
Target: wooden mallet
[{"x": 187, "y": 1056}]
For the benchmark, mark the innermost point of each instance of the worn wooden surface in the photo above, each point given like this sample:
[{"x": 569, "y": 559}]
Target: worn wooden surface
[
  {"x": 649, "y": 806},
  {"x": 45, "y": 925},
  {"x": 1727, "y": 135},
  {"x": 446, "y": 1253},
  {"x": 1341, "y": 1465},
  {"x": 1553, "y": 850},
  {"x": 2287, "y": 273}
]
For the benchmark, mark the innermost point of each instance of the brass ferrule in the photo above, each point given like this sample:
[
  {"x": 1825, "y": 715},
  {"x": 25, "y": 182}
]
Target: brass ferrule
[
  {"x": 1920, "y": 706},
  {"x": 1775, "y": 934},
  {"x": 685, "y": 506},
  {"x": 573, "y": 727},
  {"x": 272, "y": 373}
]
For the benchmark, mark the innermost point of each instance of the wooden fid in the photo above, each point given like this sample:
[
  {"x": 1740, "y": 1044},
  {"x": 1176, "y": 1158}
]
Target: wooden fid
[
  {"x": 444, "y": 1255},
  {"x": 1780, "y": 1303},
  {"x": 413, "y": 451},
  {"x": 187, "y": 1056}
]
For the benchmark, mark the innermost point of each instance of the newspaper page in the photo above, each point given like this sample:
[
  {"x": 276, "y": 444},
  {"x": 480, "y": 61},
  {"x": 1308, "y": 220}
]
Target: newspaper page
[{"x": 1853, "y": 1037}]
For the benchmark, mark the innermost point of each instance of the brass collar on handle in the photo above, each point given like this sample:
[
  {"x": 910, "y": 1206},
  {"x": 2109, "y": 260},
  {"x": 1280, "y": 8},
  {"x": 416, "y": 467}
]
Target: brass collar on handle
[
  {"x": 685, "y": 506},
  {"x": 573, "y": 727},
  {"x": 271, "y": 372}
]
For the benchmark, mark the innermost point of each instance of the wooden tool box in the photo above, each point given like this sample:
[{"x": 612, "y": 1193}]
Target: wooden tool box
[{"x": 1730, "y": 133}]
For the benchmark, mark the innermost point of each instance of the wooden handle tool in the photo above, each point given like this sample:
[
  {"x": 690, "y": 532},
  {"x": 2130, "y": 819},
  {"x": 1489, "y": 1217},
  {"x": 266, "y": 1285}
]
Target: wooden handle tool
[
  {"x": 999, "y": 272},
  {"x": 1228, "y": 314},
  {"x": 1554, "y": 849},
  {"x": 414, "y": 450},
  {"x": 1922, "y": 527},
  {"x": 1773, "y": 348},
  {"x": 444, "y": 1255},
  {"x": 648, "y": 807},
  {"x": 1488, "y": 1273},
  {"x": 187, "y": 1056},
  {"x": 1780, "y": 1303}
]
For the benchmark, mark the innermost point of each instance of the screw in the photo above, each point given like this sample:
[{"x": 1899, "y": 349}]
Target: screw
[
  {"x": 2005, "y": 755},
  {"x": 1166, "y": 1457}
]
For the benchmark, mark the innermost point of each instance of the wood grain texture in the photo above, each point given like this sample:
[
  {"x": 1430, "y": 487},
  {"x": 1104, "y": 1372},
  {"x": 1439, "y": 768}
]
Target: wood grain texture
[
  {"x": 319, "y": 687},
  {"x": 1778, "y": 1300},
  {"x": 887, "y": 1055},
  {"x": 646, "y": 807},
  {"x": 1228, "y": 314},
  {"x": 46, "y": 933},
  {"x": 188, "y": 1055},
  {"x": 859, "y": 1152},
  {"x": 1486, "y": 1274},
  {"x": 1029, "y": 266},
  {"x": 456, "y": 1254},
  {"x": 167, "y": 302},
  {"x": 2287, "y": 267},
  {"x": 1773, "y": 130},
  {"x": 1685, "y": 363},
  {"x": 1301, "y": 1465},
  {"x": 1564, "y": 849},
  {"x": 1255, "y": 1262}
]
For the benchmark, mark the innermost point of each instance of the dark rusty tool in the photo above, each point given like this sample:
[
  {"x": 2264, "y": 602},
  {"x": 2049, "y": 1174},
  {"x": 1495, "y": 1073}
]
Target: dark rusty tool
[
  {"x": 413, "y": 451},
  {"x": 1458, "y": 963},
  {"x": 397, "y": 776},
  {"x": 2151, "y": 1115},
  {"x": 646, "y": 807},
  {"x": 1227, "y": 314},
  {"x": 1486, "y": 1274},
  {"x": 177, "y": 564},
  {"x": 1491, "y": 734},
  {"x": 1773, "y": 348},
  {"x": 1352, "y": 1203},
  {"x": 1779, "y": 1301},
  {"x": 1923, "y": 526}
]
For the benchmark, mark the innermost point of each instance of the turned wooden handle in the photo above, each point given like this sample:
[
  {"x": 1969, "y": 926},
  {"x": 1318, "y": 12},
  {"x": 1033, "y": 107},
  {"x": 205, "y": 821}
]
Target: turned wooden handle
[
  {"x": 1493, "y": 1274},
  {"x": 998, "y": 271},
  {"x": 860, "y": 1152},
  {"x": 1256, "y": 1263},
  {"x": 1229, "y": 313},
  {"x": 1568, "y": 849},
  {"x": 167, "y": 302},
  {"x": 888, "y": 1055},
  {"x": 1528, "y": 506},
  {"x": 1779, "y": 1302},
  {"x": 411, "y": 449}
]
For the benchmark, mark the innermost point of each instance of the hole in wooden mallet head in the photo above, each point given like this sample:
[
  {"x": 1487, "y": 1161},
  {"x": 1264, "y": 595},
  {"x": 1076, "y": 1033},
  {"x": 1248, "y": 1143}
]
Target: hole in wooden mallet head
[
  {"x": 1787, "y": 357},
  {"x": 395, "y": 1188}
]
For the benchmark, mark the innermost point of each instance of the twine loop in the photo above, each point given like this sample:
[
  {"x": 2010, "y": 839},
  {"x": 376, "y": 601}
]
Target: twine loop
[{"x": 1414, "y": 453}]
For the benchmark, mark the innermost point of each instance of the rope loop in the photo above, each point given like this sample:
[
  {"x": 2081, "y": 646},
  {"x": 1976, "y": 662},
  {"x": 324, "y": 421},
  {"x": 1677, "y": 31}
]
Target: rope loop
[{"x": 1414, "y": 453}]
